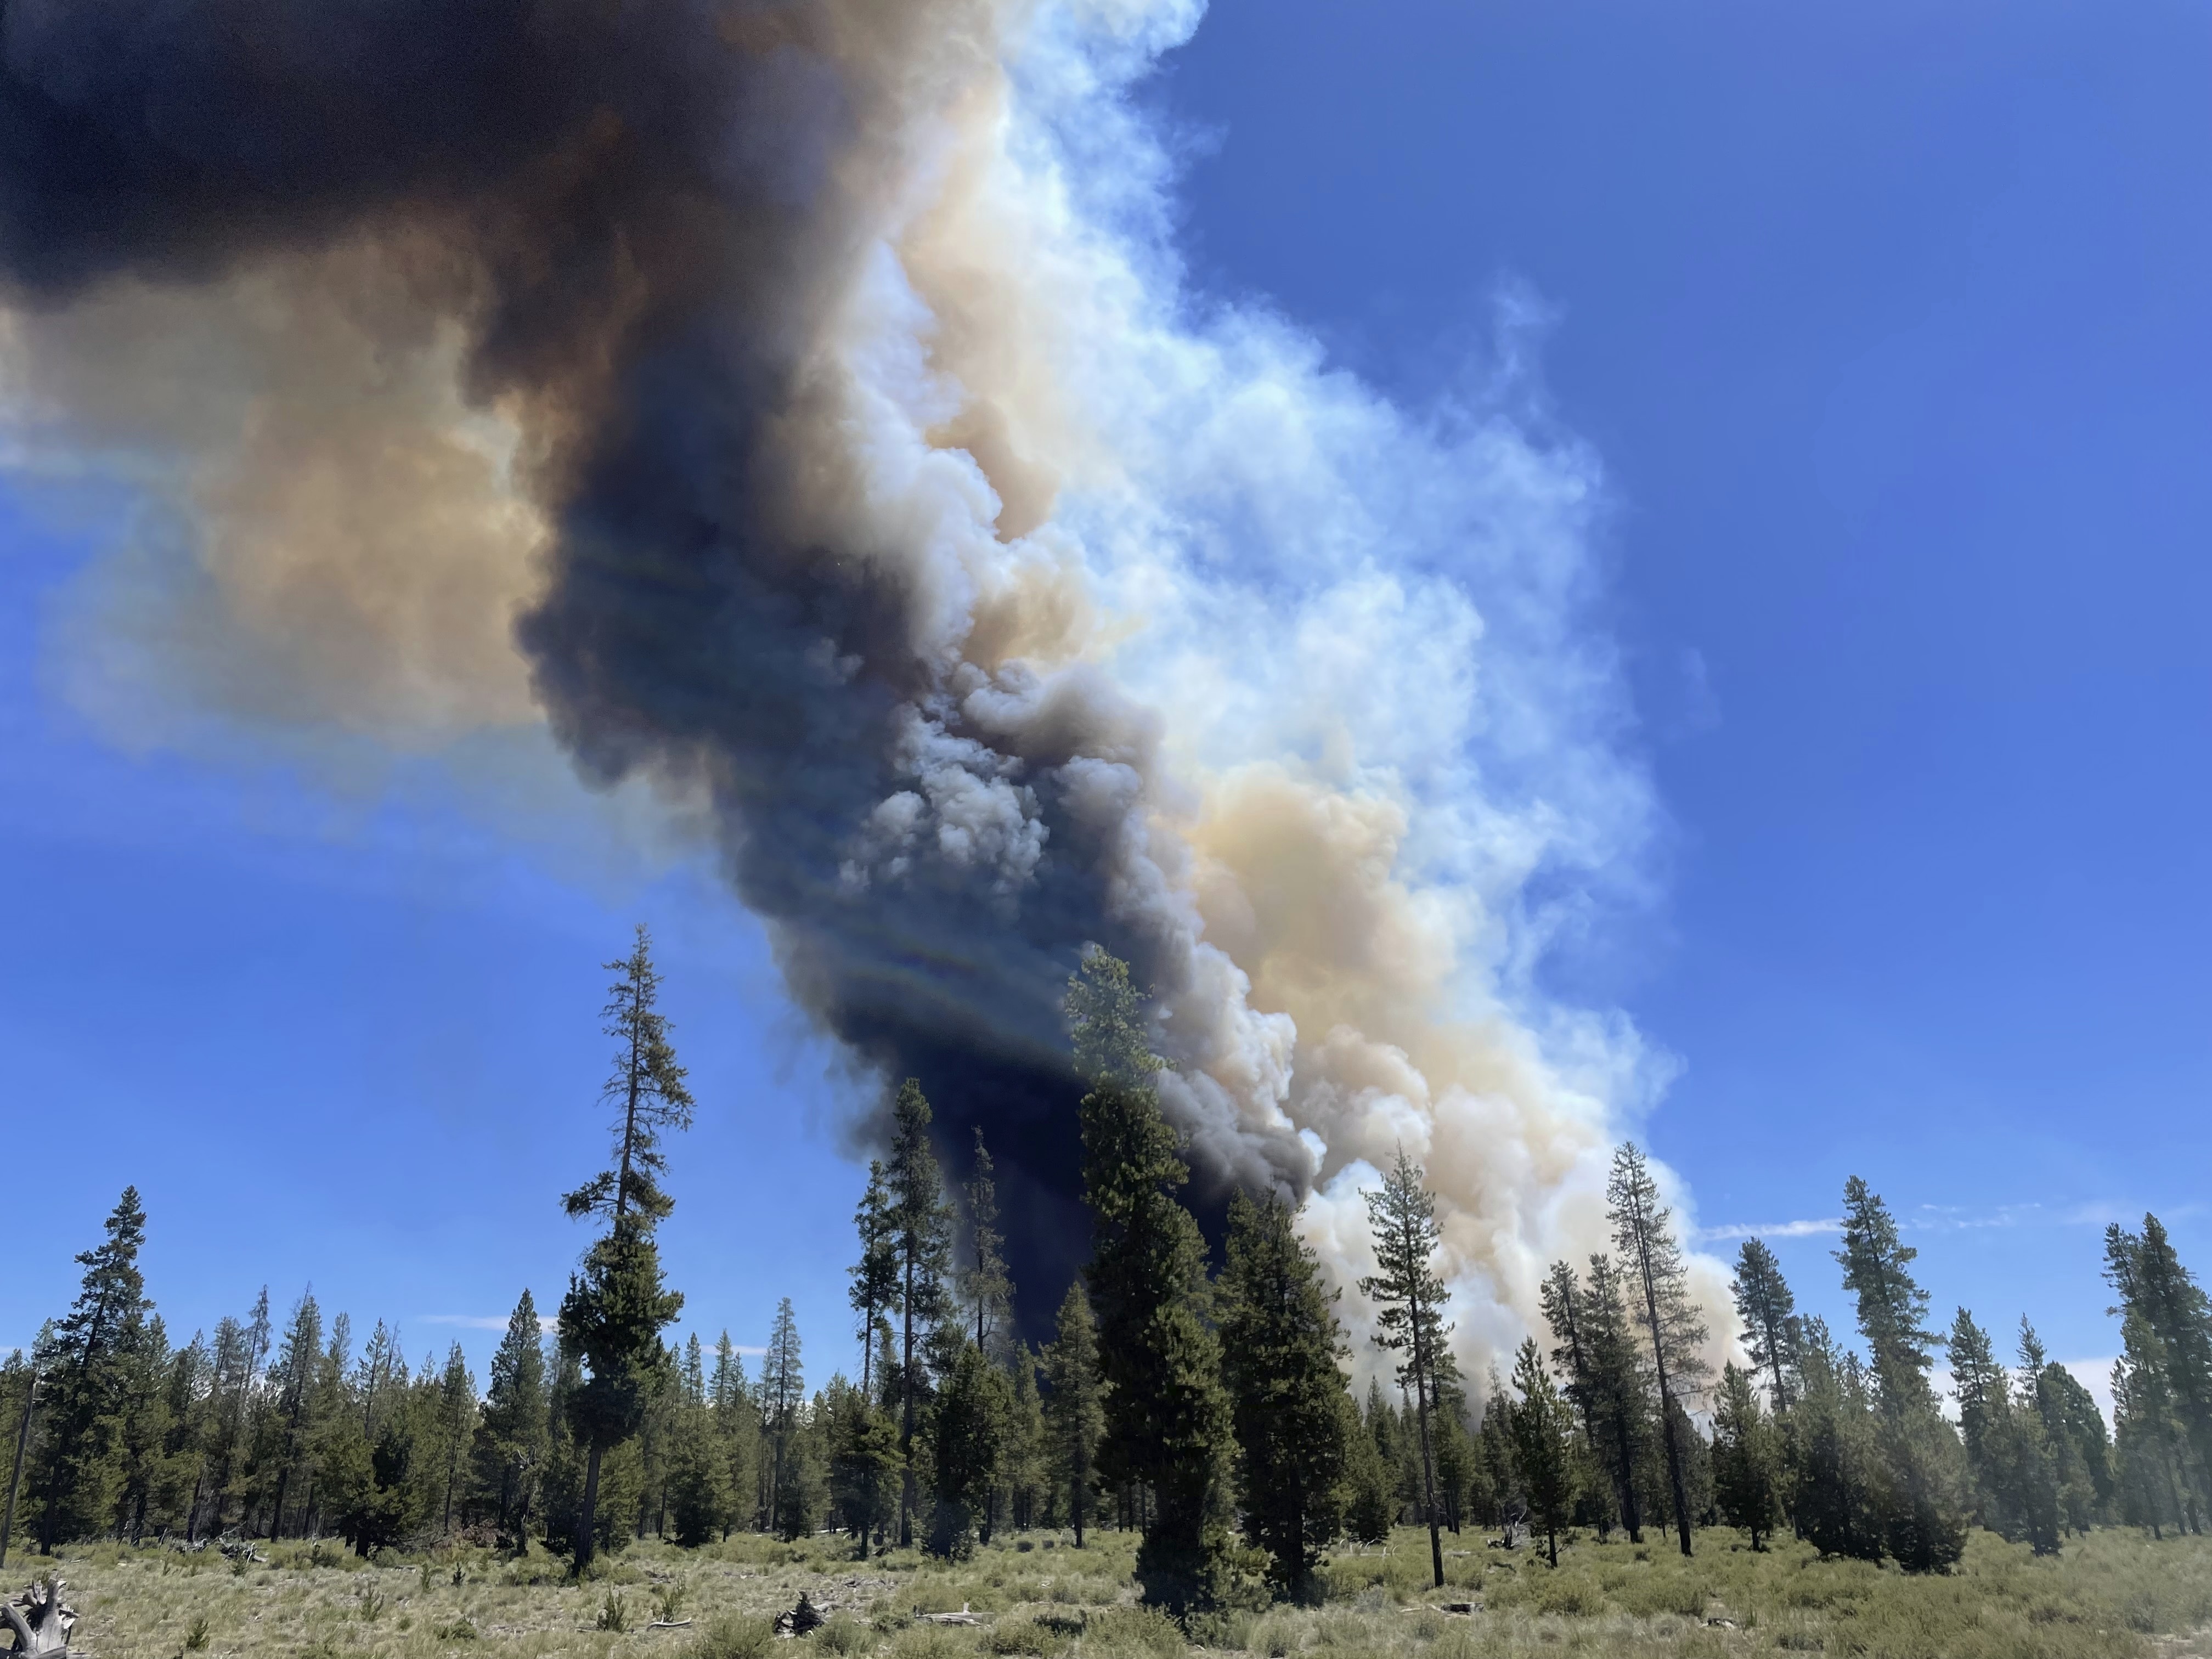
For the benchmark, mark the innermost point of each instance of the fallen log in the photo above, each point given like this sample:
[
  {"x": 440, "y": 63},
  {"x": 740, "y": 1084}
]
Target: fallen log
[{"x": 963, "y": 1617}]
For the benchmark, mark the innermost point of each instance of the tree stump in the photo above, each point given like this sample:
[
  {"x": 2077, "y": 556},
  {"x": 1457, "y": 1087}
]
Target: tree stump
[{"x": 40, "y": 1620}]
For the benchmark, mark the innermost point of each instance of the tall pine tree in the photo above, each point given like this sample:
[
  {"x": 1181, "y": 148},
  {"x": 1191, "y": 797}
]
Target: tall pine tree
[
  {"x": 84, "y": 1363},
  {"x": 1920, "y": 1473},
  {"x": 617, "y": 1305},
  {"x": 1659, "y": 1301},
  {"x": 1409, "y": 1297},
  {"x": 1279, "y": 1345},
  {"x": 1167, "y": 1417},
  {"x": 1074, "y": 1418},
  {"x": 921, "y": 1244}
]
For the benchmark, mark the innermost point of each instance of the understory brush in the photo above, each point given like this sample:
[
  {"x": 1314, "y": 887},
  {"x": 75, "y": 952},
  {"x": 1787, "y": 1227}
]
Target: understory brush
[{"x": 2112, "y": 1595}]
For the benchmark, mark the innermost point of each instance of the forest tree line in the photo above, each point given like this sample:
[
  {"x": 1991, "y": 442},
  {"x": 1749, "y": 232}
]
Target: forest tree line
[{"x": 1206, "y": 1408}]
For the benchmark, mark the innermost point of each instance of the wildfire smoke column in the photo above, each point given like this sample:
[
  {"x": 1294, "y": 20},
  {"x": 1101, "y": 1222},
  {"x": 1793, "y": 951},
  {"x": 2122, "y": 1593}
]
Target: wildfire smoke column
[{"x": 799, "y": 405}]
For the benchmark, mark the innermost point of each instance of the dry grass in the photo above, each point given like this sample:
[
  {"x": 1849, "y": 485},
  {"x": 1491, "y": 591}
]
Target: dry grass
[{"x": 2114, "y": 1595}]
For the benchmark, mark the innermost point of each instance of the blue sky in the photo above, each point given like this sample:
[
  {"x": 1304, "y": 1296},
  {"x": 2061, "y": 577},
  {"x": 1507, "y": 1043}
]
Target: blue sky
[{"x": 1887, "y": 325}]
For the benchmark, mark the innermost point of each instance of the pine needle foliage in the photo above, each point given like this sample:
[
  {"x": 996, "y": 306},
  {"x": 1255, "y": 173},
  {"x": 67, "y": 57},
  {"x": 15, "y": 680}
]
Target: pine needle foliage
[
  {"x": 1659, "y": 1301},
  {"x": 1280, "y": 1343}
]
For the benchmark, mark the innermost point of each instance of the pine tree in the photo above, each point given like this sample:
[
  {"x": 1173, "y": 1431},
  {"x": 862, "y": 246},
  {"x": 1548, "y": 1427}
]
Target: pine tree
[
  {"x": 1597, "y": 1354},
  {"x": 455, "y": 1426},
  {"x": 1110, "y": 1024},
  {"x": 618, "y": 1306},
  {"x": 1494, "y": 1441},
  {"x": 1371, "y": 1502},
  {"x": 700, "y": 1499},
  {"x": 2166, "y": 1335},
  {"x": 144, "y": 1409},
  {"x": 737, "y": 1429},
  {"x": 299, "y": 1359},
  {"x": 864, "y": 1462},
  {"x": 921, "y": 1240},
  {"x": 987, "y": 1288},
  {"x": 1769, "y": 1313},
  {"x": 84, "y": 1362},
  {"x": 782, "y": 1395},
  {"x": 1659, "y": 1301},
  {"x": 510, "y": 1446},
  {"x": 875, "y": 1276},
  {"x": 1279, "y": 1345},
  {"x": 968, "y": 1443},
  {"x": 1746, "y": 1457},
  {"x": 1410, "y": 1297},
  {"x": 1073, "y": 1417},
  {"x": 1541, "y": 1428},
  {"x": 1979, "y": 1384},
  {"x": 1167, "y": 1417},
  {"x": 1921, "y": 1469},
  {"x": 1831, "y": 1487},
  {"x": 2076, "y": 1427}
]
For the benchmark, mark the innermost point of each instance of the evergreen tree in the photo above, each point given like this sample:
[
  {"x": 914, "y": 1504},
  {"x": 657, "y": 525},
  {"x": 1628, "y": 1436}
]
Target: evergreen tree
[
  {"x": 298, "y": 1363},
  {"x": 1746, "y": 1455},
  {"x": 511, "y": 1436},
  {"x": 1410, "y": 1297},
  {"x": 1456, "y": 1465},
  {"x": 1659, "y": 1301},
  {"x": 1279, "y": 1345},
  {"x": 737, "y": 1429},
  {"x": 1167, "y": 1417},
  {"x": 700, "y": 1499},
  {"x": 875, "y": 1276},
  {"x": 1073, "y": 1417},
  {"x": 2076, "y": 1427},
  {"x": 968, "y": 1443},
  {"x": 922, "y": 1239},
  {"x": 1769, "y": 1313},
  {"x": 1831, "y": 1487},
  {"x": 802, "y": 1495},
  {"x": 84, "y": 1362},
  {"x": 1541, "y": 1428},
  {"x": 1494, "y": 1442},
  {"x": 2162, "y": 1338},
  {"x": 1110, "y": 1024},
  {"x": 144, "y": 1409},
  {"x": 1026, "y": 1480},
  {"x": 864, "y": 1463},
  {"x": 1985, "y": 1426},
  {"x": 782, "y": 1395},
  {"x": 1370, "y": 1501},
  {"x": 454, "y": 1427},
  {"x": 1920, "y": 1472},
  {"x": 618, "y": 1306},
  {"x": 1597, "y": 1353},
  {"x": 988, "y": 1290}
]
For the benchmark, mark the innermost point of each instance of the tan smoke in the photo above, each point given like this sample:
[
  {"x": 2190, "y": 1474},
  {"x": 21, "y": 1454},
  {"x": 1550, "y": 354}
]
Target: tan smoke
[{"x": 363, "y": 544}]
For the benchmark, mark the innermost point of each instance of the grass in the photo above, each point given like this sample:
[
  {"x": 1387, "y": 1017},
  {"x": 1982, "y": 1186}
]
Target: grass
[{"x": 2112, "y": 1595}]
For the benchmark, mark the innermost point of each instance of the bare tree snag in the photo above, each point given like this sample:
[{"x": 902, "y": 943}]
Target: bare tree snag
[{"x": 41, "y": 1621}]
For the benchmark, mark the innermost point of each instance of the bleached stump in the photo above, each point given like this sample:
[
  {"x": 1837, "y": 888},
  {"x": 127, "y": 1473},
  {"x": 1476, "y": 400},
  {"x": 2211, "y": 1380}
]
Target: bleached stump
[{"x": 41, "y": 1621}]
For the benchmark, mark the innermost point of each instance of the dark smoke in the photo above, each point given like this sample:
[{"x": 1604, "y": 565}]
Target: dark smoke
[{"x": 643, "y": 212}]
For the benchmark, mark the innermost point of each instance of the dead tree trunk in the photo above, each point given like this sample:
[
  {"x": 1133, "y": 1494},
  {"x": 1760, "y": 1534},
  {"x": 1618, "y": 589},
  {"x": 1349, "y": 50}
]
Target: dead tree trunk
[{"x": 41, "y": 1621}]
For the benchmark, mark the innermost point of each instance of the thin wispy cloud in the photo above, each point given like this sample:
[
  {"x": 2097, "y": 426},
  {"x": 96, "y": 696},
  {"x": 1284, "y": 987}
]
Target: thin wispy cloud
[
  {"x": 1774, "y": 1230},
  {"x": 486, "y": 1321}
]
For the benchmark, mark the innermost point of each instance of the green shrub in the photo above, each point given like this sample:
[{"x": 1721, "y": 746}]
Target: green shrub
[
  {"x": 1571, "y": 1595},
  {"x": 742, "y": 1637},
  {"x": 1135, "y": 1630}
]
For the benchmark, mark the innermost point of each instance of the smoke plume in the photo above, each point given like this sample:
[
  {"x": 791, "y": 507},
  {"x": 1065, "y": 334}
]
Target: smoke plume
[{"x": 798, "y": 402}]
